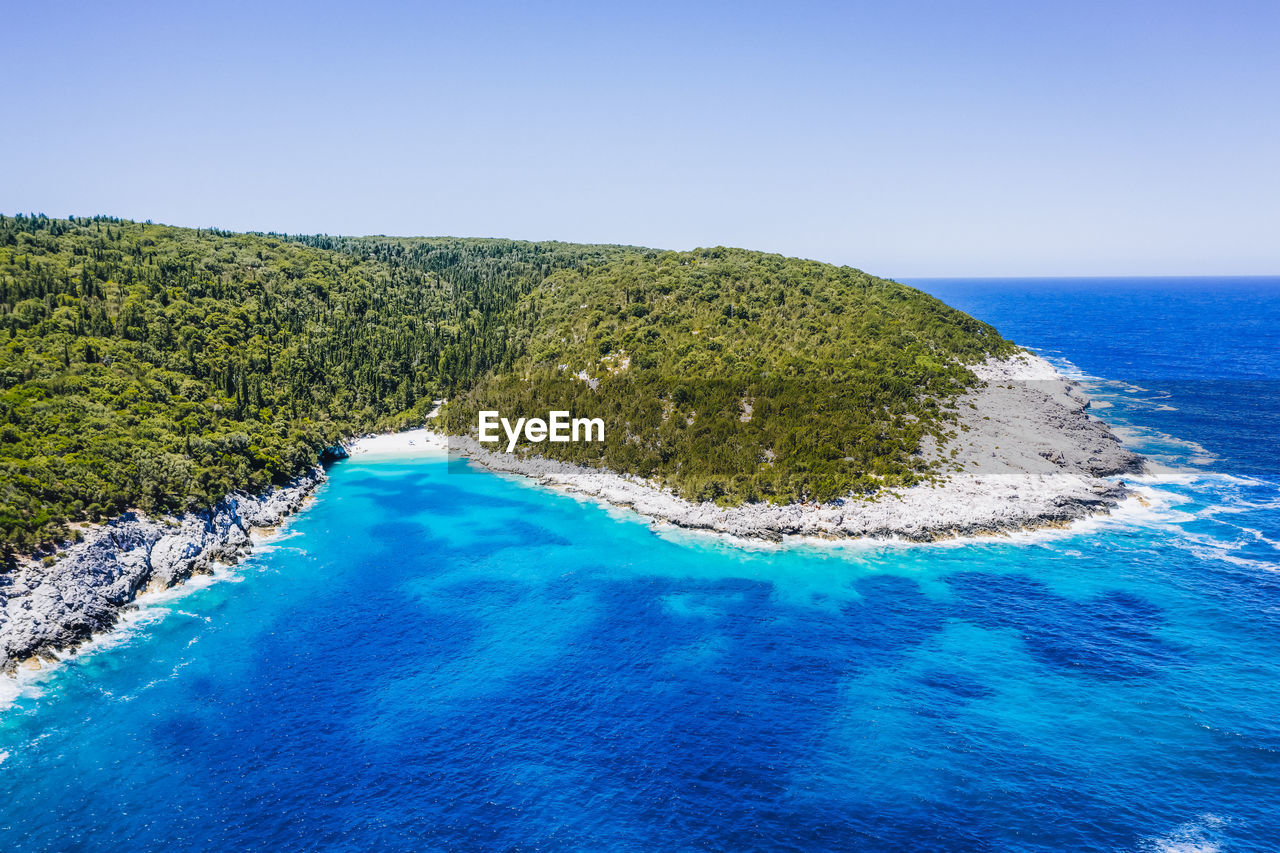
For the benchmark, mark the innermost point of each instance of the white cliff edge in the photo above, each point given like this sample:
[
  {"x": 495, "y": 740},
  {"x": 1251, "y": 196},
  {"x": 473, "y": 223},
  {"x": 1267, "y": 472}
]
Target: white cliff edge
[{"x": 49, "y": 609}]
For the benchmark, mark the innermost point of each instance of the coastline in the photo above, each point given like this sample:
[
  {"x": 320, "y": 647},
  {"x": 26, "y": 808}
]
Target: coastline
[
  {"x": 47, "y": 612},
  {"x": 1027, "y": 455},
  {"x": 1038, "y": 460}
]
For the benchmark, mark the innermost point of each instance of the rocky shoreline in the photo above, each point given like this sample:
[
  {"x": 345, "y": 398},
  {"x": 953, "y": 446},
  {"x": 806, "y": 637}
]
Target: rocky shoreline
[
  {"x": 1026, "y": 455},
  {"x": 992, "y": 505},
  {"x": 48, "y": 610}
]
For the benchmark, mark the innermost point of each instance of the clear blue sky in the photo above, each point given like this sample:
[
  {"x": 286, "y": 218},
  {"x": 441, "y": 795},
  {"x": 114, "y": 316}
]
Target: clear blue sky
[{"x": 909, "y": 139}]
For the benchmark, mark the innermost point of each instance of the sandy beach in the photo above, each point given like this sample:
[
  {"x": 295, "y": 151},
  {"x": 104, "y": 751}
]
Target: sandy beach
[{"x": 410, "y": 442}]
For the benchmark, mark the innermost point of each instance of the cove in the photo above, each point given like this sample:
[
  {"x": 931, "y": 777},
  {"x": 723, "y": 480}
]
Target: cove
[{"x": 458, "y": 660}]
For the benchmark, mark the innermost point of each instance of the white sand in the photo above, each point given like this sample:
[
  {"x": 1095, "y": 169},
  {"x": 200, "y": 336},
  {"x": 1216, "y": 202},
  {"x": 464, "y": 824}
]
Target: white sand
[{"x": 414, "y": 442}]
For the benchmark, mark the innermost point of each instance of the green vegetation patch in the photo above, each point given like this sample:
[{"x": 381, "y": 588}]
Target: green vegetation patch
[
  {"x": 737, "y": 376},
  {"x": 161, "y": 368}
]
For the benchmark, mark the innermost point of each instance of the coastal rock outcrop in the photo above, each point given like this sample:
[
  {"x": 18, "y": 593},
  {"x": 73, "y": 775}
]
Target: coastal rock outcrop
[
  {"x": 54, "y": 608},
  {"x": 1025, "y": 454}
]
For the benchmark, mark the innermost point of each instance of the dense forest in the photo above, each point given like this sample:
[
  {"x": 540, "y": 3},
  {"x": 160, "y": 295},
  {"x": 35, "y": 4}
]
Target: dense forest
[
  {"x": 161, "y": 368},
  {"x": 739, "y": 376}
]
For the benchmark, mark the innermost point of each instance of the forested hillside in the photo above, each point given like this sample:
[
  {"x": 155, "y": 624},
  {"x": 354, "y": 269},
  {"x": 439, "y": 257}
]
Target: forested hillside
[
  {"x": 158, "y": 367},
  {"x": 740, "y": 376}
]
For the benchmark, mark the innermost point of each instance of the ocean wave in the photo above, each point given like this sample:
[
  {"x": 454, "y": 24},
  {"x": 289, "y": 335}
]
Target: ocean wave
[
  {"x": 1148, "y": 507},
  {"x": 1227, "y": 550},
  {"x": 173, "y": 673},
  {"x": 1258, "y": 535},
  {"x": 266, "y": 543},
  {"x": 1202, "y": 835},
  {"x": 1165, "y": 473},
  {"x": 149, "y": 610},
  {"x": 1064, "y": 365},
  {"x": 1209, "y": 548},
  {"x": 1154, "y": 442}
]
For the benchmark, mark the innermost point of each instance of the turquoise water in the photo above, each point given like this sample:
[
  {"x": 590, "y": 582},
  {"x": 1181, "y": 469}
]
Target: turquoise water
[{"x": 434, "y": 660}]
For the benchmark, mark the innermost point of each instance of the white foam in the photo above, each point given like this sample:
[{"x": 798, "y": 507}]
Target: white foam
[
  {"x": 1199, "y": 836},
  {"x": 149, "y": 609},
  {"x": 30, "y": 682},
  {"x": 1257, "y": 534},
  {"x": 1067, "y": 367},
  {"x": 267, "y": 542},
  {"x": 1150, "y": 440}
]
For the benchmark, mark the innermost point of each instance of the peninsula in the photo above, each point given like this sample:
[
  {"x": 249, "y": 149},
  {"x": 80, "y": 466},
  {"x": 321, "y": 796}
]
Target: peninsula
[
  {"x": 1027, "y": 455},
  {"x": 166, "y": 391}
]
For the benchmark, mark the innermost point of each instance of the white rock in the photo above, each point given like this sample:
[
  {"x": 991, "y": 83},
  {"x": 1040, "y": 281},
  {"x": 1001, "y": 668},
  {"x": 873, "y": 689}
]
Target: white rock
[{"x": 44, "y": 609}]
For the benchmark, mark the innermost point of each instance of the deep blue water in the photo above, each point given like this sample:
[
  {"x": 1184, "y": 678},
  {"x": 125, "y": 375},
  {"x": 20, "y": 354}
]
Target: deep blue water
[
  {"x": 1208, "y": 348},
  {"x": 442, "y": 661}
]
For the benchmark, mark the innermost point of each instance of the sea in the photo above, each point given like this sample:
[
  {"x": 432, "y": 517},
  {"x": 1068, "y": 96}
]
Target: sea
[{"x": 436, "y": 659}]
